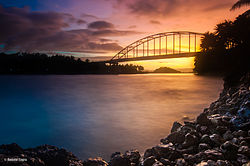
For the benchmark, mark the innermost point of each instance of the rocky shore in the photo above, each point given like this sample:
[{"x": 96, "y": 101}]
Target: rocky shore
[{"x": 220, "y": 136}]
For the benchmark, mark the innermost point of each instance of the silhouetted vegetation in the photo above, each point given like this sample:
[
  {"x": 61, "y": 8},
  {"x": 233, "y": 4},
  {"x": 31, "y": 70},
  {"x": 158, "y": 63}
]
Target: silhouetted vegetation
[
  {"x": 166, "y": 70},
  {"x": 26, "y": 63},
  {"x": 226, "y": 51},
  {"x": 240, "y": 3}
]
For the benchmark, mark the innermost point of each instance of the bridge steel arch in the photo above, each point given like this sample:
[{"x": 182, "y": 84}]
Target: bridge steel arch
[{"x": 123, "y": 55}]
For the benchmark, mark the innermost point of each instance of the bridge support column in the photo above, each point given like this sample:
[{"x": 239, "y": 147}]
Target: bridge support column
[
  {"x": 173, "y": 42},
  {"x": 143, "y": 49},
  {"x": 179, "y": 43},
  {"x": 194, "y": 42},
  {"x": 160, "y": 46},
  {"x": 154, "y": 46},
  {"x": 189, "y": 41},
  {"x": 166, "y": 44}
]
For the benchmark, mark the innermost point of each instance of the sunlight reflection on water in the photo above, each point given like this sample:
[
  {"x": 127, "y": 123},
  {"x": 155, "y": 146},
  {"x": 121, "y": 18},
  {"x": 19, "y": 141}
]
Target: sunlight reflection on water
[{"x": 95, "y": 115}]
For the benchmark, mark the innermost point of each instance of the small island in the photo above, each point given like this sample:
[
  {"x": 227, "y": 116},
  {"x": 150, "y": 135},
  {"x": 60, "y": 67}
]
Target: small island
[{"x": 166, "y": 70}]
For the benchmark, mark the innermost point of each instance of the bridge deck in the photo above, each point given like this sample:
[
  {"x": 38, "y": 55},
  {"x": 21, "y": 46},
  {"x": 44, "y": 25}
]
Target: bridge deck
[{"x": 155, "y": 57}]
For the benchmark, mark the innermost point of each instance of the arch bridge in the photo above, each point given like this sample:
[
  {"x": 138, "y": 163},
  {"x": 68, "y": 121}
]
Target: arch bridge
[{"x": 160, "y": 46}]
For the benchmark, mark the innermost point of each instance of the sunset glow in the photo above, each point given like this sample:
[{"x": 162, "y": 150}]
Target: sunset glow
[{"x": 98, "y": 29}]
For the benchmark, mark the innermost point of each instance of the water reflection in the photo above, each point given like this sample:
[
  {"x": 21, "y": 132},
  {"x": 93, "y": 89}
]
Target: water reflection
[{"x": 95, "y": 115}]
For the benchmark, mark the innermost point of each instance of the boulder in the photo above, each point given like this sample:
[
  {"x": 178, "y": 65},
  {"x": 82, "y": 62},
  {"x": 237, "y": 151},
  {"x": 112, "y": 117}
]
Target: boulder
[
  {"x": 203, "y": 147},
  {"x": 158, "y": 163},
  {"x": 148, "y": 153},
  {"x": 175, "y": 126},
  {"x": 242, "y": 159},
  {"x": 176, "y": 137},
  {"x": 206, "y": 139},
  {"x": 228, "y": 135},
  {"x": 229, "y": 150},
  {"x": 165, "y": 151},
  {"x": 12, "y": 149},
  {"x": 149, "y": 161},
  {"x": 212, "y": 154},
  {"x": 95, "y": 162},
  {"x": 119, "y": 159},
  {"x": 245, "y": 150},
  {"x": 217, "y": 139},
  {"x": 203, "y": 120},
  {"x": 223, "y": 163},
  {"x": 165, "y": 161},
  {"x": 133, "y": 156},
  {"x": 190, "y": 140},
  {"x": 180, "y": 162},
  {"x": 221, "y": 129}
]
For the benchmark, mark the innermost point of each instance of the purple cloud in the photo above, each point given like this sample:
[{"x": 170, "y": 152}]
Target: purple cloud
[
  {"x": 25, "y": 30},
  {"x": 162, "y": 8},
  {"x": 100, "y": 25}
]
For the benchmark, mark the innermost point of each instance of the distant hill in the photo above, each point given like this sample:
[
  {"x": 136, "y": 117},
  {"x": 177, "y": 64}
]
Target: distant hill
[{"x": 166, "y": 70}]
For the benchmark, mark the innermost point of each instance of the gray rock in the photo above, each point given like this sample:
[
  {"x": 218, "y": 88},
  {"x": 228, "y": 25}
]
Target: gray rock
[
  {"x": 244, "y": 111},
  {"x": 242, "y": 159},
  {"x": 13, "y": 149},
  {"x": 148, "y": 153},
  {"x": 203, "y": 120},
  {"x": 158, "y": 163},
  {"x": 235, "y": 141},
  {"x": 212, "y": 154},
  {"x": 175, "y": 126},
  {"x": 228, "y": 135},
  {"x": 176, "y": 137},
  {"x": 180, "y": 162},
  {"x": 165, "y": 151},
  {"x": 164, "y": 141},
  {"x": 190, "y": 159},
  {"x": 203, "y": 147},
  {"x": 165, "y": 161},
  {"x": 190, "y": 140},
  {"x": 190, "y": 124},
  {"x": 206, "y": 139},
  {"x": 221, "y": 129},
  {"x": 244, "y": 143},
  {"x": 149, "y": 161},
  {"x": 204, "y": 130},
  {"x": 119, "y": 159},
  {"x": 95, "y": 162},
  {"x": 217, "y": 139},
  {"x": 229, "y": 150},
  {"x": 202, "y": 163},
  {"x": 133, "y": 156},
  {"x": 245, "y": 150},
  {"x": 239, "y": 133},
  {"x": 222, "y": 163}
]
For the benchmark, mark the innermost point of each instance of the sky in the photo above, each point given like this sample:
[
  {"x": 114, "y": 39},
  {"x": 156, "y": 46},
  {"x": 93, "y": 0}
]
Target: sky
[{"x": 100, "y": 28}]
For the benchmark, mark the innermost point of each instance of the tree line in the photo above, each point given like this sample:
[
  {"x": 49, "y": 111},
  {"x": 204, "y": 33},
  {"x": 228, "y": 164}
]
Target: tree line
[
  {"x": 37, "y": 63},
  {"x": 226, "y": 50}
]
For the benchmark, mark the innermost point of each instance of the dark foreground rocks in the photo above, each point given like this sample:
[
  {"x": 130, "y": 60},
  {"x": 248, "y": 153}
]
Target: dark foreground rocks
[
  {"x": 220, "y": 136},
  {"x": 45, "y": 155}
]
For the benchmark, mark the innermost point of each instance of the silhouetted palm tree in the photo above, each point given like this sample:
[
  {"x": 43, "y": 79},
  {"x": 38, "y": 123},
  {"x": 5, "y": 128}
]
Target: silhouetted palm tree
[{"x": 240, "y": 3}]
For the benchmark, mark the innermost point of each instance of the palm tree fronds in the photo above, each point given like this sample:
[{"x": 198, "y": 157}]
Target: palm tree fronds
[{"x": 240, "y": 3}]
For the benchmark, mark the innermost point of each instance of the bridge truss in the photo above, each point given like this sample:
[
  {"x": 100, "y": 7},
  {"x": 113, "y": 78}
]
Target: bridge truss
[{"x": 160, "y": 46}]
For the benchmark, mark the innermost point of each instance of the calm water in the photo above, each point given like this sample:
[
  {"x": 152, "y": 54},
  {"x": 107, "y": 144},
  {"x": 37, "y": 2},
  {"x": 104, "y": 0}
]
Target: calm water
[{"x": 95, "y": 115}]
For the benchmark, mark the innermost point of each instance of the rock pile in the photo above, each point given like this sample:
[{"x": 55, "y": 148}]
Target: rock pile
[{"x": 220, "y": 136}]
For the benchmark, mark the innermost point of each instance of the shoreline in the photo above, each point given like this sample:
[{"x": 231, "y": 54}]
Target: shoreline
[{"x": 220, "y": 135}]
